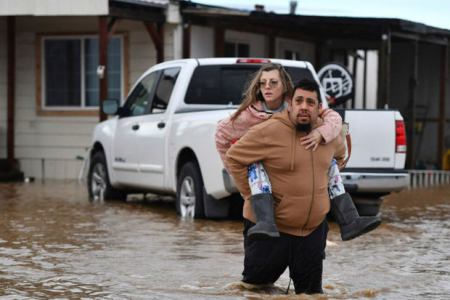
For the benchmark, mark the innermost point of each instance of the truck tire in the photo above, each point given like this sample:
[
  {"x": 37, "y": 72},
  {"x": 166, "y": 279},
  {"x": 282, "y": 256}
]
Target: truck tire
[
  {"x": 368, "y": 205},
  {"x": 99, "y": 186},
  {"x": 368, "y": 210},
  {"x": 189, "y": 201}
]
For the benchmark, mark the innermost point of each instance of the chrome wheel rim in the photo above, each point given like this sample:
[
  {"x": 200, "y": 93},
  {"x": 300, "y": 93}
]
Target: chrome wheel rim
[
  {"x": 98, "y": 182},
  {"x": 187, "y": 198}
]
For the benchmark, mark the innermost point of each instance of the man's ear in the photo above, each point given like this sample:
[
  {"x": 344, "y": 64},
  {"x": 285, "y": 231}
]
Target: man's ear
[{"x": 320, "y": 106}]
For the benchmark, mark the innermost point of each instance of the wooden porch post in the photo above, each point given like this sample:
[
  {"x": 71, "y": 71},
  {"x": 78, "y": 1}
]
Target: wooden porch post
[
  {"x": 160, "y": 29},
  {"x": 157, "y": 36},
  {"x": 272, "y": 46},
  {"x": 411, "y": 139},
  {"x": 384, "y": 69},
  {"x": 365, "y": 80},
  {"x": 186, "y": 40},
  {"x": 219, "y": 35},
  {"x": 11, "y": 90},
  {"x": 442, "y": 94},
  {"x": 103, "y": 61}
]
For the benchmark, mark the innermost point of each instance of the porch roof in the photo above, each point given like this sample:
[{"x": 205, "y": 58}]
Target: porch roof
[{"x": 314, "y": 28}]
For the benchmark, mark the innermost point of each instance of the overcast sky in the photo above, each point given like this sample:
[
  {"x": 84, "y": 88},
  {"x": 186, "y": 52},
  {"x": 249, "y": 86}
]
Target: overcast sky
[{"x": 430, "y": 12}]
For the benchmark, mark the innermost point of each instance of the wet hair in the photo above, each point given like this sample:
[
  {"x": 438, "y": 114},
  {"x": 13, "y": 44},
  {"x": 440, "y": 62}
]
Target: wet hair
[
  {"x": 252, "y": 91},
  {"x": 308, "y": 85}
]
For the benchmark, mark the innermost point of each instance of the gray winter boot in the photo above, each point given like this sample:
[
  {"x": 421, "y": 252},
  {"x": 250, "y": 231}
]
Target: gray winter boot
[
  {"x": 265, "y": 228},
  {"x": 351, "y": 224}
]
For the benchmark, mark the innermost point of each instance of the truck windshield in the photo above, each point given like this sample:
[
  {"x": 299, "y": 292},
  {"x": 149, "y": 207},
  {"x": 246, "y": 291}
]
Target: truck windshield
[{"x": 223, "y": 85}]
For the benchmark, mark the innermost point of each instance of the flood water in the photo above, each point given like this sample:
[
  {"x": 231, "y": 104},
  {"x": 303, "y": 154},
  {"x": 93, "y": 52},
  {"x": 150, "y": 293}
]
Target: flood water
[{"x": 56, "y": 244}]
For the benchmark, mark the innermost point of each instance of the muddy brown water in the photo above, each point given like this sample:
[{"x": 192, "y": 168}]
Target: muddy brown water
[{"x": 56, "y": 244}]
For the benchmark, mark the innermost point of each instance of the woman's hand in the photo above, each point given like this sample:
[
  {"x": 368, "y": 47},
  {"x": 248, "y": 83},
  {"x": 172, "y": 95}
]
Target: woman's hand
[{"x": 311, "y": 140}]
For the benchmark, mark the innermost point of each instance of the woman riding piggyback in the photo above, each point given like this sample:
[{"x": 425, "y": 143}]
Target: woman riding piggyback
[{"x": 267, "y": 93}]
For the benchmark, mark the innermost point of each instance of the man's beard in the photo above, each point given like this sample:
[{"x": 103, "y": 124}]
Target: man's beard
[{"x": 303, "y": 127}]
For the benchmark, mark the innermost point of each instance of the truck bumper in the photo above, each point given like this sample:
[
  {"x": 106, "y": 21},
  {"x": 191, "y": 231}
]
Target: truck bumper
[
  {"x": 354, "y": 181},
  {"x": 375, "y": 182}
]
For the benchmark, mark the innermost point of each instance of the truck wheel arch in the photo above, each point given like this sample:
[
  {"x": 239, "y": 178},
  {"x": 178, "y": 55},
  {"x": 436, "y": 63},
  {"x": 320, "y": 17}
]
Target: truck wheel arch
[
  {"x": 212, "y": 207},
  {"x": 98, "y": 183},
  {"x": 96, "y": 148},
  {"x": 185, "y": 155}
]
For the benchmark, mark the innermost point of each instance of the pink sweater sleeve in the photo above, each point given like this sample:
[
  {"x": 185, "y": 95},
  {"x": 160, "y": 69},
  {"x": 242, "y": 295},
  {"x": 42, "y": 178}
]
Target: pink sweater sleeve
[
  {"x": 332, "y": 124},
  {"x": 226, "y": 133}
]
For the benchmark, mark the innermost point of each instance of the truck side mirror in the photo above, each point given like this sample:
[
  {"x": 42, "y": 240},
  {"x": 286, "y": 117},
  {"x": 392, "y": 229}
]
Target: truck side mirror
[{"x": 110, "y": 106}]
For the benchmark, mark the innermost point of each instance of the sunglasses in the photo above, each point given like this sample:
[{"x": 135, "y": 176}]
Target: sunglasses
[{"x": 272, "y": 84}]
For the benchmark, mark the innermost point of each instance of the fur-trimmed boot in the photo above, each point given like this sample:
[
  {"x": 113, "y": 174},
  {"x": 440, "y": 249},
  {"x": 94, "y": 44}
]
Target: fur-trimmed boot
[
  {"x": 351, "y": 224},
  {"x": 265, "y": 228}
]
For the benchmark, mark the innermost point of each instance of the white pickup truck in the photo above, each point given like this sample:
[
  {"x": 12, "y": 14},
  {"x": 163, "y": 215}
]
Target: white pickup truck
[{"x": 162, "y": 139}]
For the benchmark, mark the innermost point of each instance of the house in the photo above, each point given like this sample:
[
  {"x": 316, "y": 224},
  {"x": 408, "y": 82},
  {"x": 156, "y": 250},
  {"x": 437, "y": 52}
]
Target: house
[
  {"x": 49, "y": 89},
  {"x": 50, "y": 51}
]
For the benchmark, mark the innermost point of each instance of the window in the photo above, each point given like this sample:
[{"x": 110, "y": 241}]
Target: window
[
  {"x": 298, "y": 73},
  {"x": 145, "y": 92},
  {"x": 293, "y": 55},
  {"x": 138, "y": 100},
  {"x": 164, "y": 90},
  {"x": 236, "y": 50},
  {"x": 69, "y": 72},
  {"x": 219, "y": 84},
  {"x": 225, "y": 84}
]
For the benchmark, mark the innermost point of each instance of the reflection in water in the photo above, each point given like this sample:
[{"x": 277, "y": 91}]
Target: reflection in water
[{"x": 54, "y": 243}]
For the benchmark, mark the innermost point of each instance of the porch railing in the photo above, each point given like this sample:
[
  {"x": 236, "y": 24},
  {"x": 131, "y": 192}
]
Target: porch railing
[{"x": 427, "y": 178}]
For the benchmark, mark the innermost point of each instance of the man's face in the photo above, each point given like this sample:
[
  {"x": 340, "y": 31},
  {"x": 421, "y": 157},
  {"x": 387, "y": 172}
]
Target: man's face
[{"x": 304, "y": 108}]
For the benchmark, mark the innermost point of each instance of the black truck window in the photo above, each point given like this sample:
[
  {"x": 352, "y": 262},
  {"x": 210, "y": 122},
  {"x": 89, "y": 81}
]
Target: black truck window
[{"x": 225, "y": 84}]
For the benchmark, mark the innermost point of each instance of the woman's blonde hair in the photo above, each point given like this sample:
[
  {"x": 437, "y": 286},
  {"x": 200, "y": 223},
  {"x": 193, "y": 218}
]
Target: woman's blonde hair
[{"x": 253, "y": 93}]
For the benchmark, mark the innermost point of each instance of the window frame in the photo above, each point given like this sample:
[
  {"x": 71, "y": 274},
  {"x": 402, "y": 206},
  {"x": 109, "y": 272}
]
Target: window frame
[
  {"x": 159, "y": 74},
  {"x": 83, "y": 110},
  {"x": 127, "y": 105},
  {"x": 158, "y": 82}
]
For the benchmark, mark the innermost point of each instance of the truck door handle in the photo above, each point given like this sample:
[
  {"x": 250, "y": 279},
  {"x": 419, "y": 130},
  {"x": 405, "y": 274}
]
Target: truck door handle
[
  {"x": 135, "y": 127},
  {"x": 161, "y": 125}
]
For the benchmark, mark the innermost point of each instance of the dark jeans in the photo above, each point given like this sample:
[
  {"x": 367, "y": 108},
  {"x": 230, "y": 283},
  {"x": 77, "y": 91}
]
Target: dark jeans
[{"x": 266, "y": 260}]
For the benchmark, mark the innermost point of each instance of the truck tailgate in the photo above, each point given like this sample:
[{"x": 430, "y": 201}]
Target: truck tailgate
[{"x": 373, "y": 137}]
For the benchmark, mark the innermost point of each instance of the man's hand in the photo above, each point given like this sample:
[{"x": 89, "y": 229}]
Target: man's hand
[{"x": 311, "y": 140}]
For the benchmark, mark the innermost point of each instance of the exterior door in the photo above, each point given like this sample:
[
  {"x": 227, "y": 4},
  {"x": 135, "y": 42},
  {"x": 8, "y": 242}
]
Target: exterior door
[
  {"x": 125, "y": 156},
  {"x": 153, "y": 131}
]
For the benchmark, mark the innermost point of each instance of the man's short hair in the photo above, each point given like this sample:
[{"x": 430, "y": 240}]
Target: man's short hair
[{"x": 308, "y": 85}]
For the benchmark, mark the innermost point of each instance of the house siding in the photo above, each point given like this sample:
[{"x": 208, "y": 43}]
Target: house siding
[
  {"x": 142, "y": 51},
  {"x": 202, "y": 42},
  {"x": 305, "y": 49},
  {"x": 257, "y": 42}
]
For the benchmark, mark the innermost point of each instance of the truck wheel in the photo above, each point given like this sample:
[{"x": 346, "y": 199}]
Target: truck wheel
[
  {"x": 99, "y": 187},
  {"x": 189, "y": 201},
  {"x": 368, "y": 205}
]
